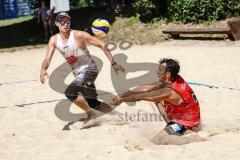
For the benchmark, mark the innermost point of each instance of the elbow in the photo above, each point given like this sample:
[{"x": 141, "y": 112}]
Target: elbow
[
  {"x": 104, "y": 47},
  {"x": 99, "y": 46},
  {"x": 137, "y": 98}
]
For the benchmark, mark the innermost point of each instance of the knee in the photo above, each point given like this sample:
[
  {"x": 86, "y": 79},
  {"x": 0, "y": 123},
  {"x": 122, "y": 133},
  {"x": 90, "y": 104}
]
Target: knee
[
  {"x": 166, "y": 140},
  {"x": 71, "y": 94},
  {"x": 93, "y": 103},
  {"x": 156, "y": 140},
  {"x": 160, "y": 138}
]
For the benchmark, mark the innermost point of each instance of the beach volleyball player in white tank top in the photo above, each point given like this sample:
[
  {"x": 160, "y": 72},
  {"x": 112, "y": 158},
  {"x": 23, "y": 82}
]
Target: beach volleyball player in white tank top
[{"x": 72, "y": 45}]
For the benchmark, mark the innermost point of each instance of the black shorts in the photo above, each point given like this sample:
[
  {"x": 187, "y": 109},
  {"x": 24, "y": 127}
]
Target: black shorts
[
  {"x": 84, "y": 85},
  {"x": 173, "y": 128}
]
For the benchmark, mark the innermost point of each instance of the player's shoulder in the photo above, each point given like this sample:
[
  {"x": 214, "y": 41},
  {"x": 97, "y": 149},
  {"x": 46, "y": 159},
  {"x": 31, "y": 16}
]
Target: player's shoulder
[
  {"x": 80, "y": 34},
  {"x": 53, "y": 39}
]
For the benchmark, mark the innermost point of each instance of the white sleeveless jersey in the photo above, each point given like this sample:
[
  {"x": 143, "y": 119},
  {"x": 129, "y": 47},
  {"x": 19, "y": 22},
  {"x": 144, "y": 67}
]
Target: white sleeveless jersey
[{"x": 77, "y": 58}]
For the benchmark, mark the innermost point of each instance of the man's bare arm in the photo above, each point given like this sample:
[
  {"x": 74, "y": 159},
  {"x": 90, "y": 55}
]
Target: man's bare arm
[
  {"x": 153, "y": 96},
  {"x": 38, "y": 16},
  {"x": 143, "y": 88},
  {"x": 47, "y": 59},
  {"x": 98, "y": 43}
]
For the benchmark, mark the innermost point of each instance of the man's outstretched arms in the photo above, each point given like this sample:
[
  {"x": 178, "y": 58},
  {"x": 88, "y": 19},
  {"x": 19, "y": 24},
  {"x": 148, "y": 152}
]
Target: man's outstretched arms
[
  {"x": 98, "y": 43},
  {"x": 156, "y": 95},
  {"x": 143, "y": 88}
]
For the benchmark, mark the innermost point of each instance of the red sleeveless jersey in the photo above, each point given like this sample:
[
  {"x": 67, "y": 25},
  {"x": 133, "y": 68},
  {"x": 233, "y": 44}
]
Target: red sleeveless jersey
[{"x": 188, "y": 112}]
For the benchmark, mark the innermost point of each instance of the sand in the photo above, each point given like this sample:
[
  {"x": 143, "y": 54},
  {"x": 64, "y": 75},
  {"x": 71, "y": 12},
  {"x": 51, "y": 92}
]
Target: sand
[{"x": 30, "y": 129}]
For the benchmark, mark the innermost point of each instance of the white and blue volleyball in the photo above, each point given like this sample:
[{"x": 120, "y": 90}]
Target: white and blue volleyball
[{"x": 100, "y": 27}]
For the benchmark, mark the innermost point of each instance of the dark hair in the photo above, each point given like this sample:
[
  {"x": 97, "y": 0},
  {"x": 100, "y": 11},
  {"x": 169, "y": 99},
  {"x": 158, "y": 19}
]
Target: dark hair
[{"x": 172, "y": 66}]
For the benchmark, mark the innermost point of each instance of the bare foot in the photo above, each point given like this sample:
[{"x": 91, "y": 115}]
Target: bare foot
[{"x": 91, "y": 120}]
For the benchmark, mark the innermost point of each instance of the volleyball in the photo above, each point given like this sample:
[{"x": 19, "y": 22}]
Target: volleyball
[{"x": 100, "y": 27}]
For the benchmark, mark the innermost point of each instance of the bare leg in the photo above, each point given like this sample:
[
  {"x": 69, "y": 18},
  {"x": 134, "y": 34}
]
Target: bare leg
[
  {"x": 163, "y": 138},
  {"x": 105, "y": 108},
  {"x": 50, "y": 26},
  {"x": 92, "y": 114},
  {"x": 45, "y": 25},
  {"x": 81, "y": 103}
]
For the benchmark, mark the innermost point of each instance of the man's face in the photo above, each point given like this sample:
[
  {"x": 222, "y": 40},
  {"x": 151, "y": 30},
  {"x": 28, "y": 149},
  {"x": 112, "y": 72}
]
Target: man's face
[
  {"x": 64, "y": 24},
  {"x": 162, "y": 72}
]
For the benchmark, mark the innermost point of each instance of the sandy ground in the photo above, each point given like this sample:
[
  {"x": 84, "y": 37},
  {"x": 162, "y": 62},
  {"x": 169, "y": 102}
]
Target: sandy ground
[{"x": 34, "y": 131}]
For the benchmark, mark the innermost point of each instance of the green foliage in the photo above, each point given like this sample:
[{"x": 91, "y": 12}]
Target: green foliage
[
  {"x": 150, "y": 9},
  {"x": 187, "y": 10},
  {"x": 144, "y": 7},
  {"x": 211, "y": 9},
  {"x": 132, "y": 20},
  {"x": 75, "y": 4},
  {"x": 184, "y": 10},
  {"x": 233, "y": 7},
  {"x": 205, "y": 10}
]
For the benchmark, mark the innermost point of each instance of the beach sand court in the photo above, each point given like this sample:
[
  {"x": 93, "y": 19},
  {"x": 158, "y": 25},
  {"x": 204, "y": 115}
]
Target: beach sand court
[{"x": 30, "y": 128}]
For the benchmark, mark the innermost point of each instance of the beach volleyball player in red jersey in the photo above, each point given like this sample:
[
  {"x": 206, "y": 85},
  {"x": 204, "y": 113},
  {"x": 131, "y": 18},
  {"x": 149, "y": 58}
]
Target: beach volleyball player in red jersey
[{"x": 175, "y": 100}]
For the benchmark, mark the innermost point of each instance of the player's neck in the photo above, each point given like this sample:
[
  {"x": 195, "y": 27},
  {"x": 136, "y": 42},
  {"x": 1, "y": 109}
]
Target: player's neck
[
  {"x": 173, "y": 79},
  {"x": 65, "y": 35}
]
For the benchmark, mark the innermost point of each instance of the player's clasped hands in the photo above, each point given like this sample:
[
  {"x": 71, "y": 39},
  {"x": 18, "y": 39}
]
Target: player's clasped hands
[{"x": 116, "y": 101}]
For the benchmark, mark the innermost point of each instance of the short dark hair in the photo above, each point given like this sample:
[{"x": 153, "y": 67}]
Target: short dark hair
[{"x": 172, "y": 66}]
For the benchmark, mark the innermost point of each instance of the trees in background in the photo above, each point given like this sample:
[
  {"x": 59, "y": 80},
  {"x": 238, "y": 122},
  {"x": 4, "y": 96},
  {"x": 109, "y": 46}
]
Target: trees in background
[
  {"x": 198, "y": 10},
  {"x": 180, "y": 10},
  {"x": 187, "y": 10}
]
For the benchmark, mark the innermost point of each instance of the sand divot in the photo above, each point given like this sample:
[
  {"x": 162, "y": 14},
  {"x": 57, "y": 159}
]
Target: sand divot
[
  {"x": 132, "y": 146},
  {"x": 106, "y": 119}
]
